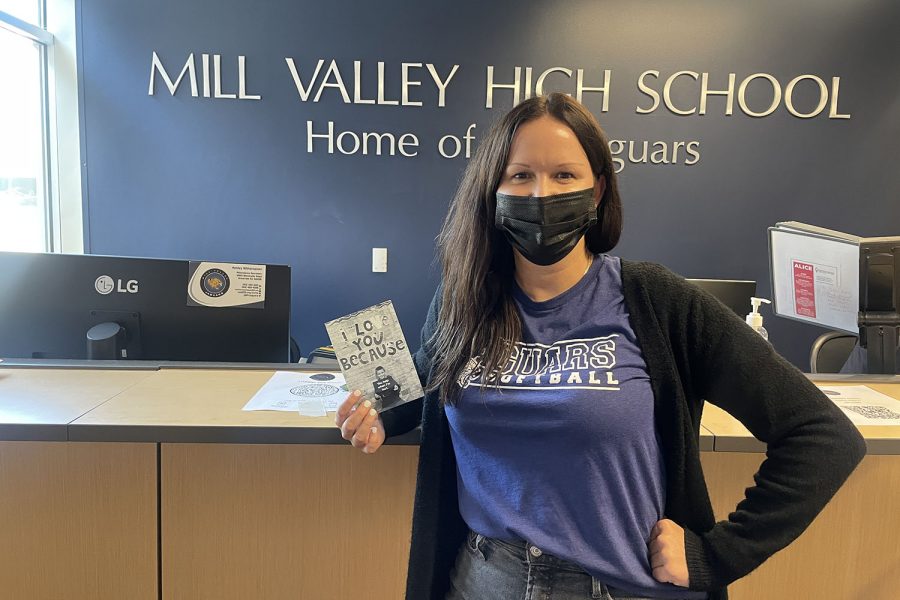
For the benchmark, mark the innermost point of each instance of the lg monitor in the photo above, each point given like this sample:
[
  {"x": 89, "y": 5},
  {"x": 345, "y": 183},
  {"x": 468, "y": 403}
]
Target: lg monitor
[{"x": 61, "y": 306}]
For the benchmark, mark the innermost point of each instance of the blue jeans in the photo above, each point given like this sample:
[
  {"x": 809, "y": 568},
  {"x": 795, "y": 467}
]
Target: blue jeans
[{"x": 491, "y": 569}]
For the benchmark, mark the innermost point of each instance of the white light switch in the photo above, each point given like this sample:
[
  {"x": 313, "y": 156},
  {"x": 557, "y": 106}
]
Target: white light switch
[{"x": 379, "y": 260}]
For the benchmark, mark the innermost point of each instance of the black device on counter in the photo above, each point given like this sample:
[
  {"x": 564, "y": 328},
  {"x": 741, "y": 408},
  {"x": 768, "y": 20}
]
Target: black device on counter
[{"x": 879, "y": 303}]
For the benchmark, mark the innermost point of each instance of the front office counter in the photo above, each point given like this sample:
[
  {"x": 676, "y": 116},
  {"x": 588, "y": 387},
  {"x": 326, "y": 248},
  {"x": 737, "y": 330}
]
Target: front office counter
[{"x": 151, "y": 482}]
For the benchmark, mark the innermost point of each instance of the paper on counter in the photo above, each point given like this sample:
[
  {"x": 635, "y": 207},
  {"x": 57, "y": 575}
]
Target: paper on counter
[
  {"x": 863, "y": 405},
  {"x": 309, "y": 393},
  {"x": 311, "y": 407}
]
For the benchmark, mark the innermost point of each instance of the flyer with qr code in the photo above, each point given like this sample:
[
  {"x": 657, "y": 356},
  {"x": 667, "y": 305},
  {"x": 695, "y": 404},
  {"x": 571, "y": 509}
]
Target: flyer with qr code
[
  {"x": 863, "y": 405},
  {"x": 310, "y": 394}
]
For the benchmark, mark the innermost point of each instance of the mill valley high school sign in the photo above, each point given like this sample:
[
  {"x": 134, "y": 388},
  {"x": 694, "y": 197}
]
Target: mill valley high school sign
[{"x": 683, "y": 93}]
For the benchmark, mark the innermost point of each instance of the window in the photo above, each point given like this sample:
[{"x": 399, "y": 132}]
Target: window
[{"x": 31, "y": 197}]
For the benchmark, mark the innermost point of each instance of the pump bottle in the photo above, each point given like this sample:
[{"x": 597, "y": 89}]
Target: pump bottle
[{"x": 755, "y": 320}]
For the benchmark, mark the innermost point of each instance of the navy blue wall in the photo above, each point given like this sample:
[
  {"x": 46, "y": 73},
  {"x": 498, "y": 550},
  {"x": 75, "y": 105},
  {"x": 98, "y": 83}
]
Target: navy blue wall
[{"x": 231, "y": 180}]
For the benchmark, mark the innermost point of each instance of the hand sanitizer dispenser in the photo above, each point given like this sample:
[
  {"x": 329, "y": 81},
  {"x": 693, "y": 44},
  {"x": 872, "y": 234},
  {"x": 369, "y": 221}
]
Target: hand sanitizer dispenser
[{"x": 755, "y": 320}]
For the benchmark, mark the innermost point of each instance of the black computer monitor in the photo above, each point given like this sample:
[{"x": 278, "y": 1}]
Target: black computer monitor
[
  {"x": 142, "y": 308},
  {"x": 733, "y": 293}
]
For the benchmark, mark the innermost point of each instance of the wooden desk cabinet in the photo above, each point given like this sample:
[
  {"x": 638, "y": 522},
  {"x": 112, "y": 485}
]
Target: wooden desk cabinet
[{"x": 161, "y": 487}]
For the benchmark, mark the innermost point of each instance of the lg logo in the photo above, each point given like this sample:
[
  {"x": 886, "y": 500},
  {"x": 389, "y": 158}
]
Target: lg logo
[{"x": 106, "y": 285}]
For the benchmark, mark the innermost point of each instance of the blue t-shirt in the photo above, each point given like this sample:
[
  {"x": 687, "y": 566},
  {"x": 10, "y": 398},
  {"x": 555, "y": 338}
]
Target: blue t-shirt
[{"x": 565, "y": 453}]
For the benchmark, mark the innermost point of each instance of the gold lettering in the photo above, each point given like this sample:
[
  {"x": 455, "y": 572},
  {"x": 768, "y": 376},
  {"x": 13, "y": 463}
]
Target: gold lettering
[{"x": 776, "y": 93}]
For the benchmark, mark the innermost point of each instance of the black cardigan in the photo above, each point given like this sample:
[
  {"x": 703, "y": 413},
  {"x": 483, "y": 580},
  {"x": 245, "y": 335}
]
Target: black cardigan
[{"x": 695, "y": 348}]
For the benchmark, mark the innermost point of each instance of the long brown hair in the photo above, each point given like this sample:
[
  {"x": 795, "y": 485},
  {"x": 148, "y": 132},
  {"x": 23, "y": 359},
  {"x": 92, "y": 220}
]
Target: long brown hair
[{"x": 478, "y": 317}]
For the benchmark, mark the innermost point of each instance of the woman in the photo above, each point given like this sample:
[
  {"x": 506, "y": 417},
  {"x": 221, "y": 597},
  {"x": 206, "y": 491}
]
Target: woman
[{"x": 559, "y": 454}]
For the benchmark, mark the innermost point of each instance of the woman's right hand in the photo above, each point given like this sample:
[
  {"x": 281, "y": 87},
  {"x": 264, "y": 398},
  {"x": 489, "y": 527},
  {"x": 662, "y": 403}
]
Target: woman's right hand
[{"x": 360, "y": 423}]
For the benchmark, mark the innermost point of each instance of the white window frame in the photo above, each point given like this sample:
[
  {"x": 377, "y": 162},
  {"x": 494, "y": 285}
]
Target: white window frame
[{"x": 61, "y": 184}]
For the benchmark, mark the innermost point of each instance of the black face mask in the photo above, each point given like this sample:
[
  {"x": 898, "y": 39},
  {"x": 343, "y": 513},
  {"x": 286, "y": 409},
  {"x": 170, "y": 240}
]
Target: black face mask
[{"x": 545, "y": 229}]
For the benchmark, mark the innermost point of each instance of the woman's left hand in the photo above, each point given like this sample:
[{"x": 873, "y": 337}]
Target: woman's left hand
[{"x": 667, "y": 558}]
